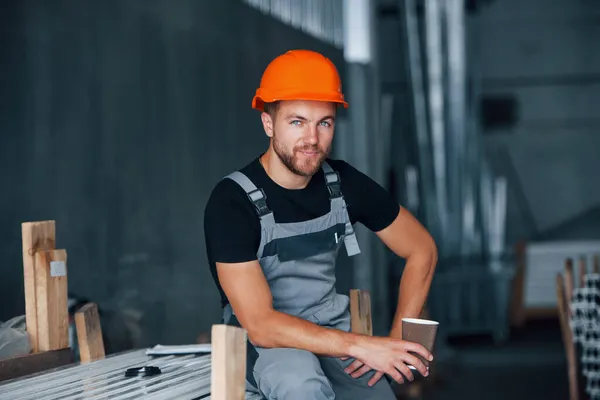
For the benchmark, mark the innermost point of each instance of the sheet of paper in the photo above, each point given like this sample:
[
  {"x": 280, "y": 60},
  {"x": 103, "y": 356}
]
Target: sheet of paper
[{"x": 160, "y": 349}]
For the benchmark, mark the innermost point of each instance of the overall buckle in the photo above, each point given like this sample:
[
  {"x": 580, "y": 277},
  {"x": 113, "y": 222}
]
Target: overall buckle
[
  {"x": 333, "y": 184},
  {"x": 259, "y": 199}
]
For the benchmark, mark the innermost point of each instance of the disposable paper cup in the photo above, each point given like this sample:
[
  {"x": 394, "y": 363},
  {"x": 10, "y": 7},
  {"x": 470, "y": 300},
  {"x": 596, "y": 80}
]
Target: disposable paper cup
[{"x": 421, "y": 331}]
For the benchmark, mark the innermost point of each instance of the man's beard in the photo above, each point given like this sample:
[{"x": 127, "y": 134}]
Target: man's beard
[{"x": 292, "y": 162}]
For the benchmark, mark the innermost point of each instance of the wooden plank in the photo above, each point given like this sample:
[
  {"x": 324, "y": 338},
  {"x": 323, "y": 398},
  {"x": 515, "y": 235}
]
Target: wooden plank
[
  {"x": 568, "y": 284},
  {"x": 360, "y": 312},
  {"x": 517, "y": 307},
  {"x": 52, "y": 295},
  {"x": 203, "y": 338},
  {"x": 582, "y": 271},
  {"x": 89, "y": 333},
  {"x": 17, "y": 367},
  {"x": 563, "y": 314},
  {"x": 228, "y": 358},
  {"x": 36, "y": 236}
]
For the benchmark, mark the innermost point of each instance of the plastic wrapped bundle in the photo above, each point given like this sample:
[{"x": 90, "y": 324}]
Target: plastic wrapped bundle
[{"x": 14, "y": 340}]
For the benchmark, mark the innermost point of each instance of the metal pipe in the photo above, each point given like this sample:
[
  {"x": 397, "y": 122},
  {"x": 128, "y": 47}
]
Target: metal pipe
[
  {"x": 417, "y": 85},
  {"x": 437, "y": 111},
  {"x": 458, "y": 171}
]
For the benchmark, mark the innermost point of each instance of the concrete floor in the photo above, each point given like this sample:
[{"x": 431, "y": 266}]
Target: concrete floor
[{"x": 530, "y": 365}]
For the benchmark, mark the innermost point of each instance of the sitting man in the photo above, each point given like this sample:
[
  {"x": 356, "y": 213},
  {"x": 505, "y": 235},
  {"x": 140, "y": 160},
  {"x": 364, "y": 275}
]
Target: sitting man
[{"x": 273, "y": 231}]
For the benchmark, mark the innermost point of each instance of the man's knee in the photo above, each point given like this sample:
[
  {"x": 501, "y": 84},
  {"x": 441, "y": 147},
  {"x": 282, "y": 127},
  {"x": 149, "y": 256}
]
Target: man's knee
[{"x": 292, "y": 374}]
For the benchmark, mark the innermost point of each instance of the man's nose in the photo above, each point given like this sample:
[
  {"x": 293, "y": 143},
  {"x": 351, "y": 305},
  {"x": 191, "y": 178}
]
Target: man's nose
[{"x": 312, "y": 135}]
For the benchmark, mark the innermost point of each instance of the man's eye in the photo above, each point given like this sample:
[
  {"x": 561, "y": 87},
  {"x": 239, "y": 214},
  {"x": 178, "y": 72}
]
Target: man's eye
[
  {"x": 325, "y": 124},
  {"x": 296, "y": 122}
]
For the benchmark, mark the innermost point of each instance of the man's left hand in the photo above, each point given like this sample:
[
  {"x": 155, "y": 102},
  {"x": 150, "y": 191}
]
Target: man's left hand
[{"x": 357, "y": 369}]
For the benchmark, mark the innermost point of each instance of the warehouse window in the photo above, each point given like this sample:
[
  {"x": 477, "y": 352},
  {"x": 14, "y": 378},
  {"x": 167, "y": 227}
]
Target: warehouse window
[{"x": 318, "y": 18}]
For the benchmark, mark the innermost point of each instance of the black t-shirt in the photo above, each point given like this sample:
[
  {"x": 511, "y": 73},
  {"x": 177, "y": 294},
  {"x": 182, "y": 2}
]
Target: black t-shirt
[{"x": 232, "y": 227}]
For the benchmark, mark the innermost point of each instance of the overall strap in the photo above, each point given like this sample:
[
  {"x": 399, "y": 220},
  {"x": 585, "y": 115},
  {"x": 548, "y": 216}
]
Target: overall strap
[
  {"x": 336, "y": 198},
  {"x": 332, "y": 179},
  {"x": 256, "y": 196}
]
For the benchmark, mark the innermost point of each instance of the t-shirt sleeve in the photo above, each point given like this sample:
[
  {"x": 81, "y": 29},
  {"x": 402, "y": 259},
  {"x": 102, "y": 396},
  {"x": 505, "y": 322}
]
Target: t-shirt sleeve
[
  {"x": 231, "y": 227},
  {"x": 368, "y": 202}
]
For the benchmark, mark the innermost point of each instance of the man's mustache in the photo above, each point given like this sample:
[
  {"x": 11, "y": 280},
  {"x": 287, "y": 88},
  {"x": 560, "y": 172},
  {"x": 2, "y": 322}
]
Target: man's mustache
[{"x": 309, "y": 149}]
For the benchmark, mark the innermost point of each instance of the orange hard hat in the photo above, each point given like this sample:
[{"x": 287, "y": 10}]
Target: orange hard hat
[{"x": 299, "y": 75}]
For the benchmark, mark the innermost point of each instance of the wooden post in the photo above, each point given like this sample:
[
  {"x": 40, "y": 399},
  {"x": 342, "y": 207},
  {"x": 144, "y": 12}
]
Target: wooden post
[
  {"x": 203, "y": 338},
  {"x": 228, "y": 375},
  {"x": 360, "y": 312},
  {"x": 568, "y": 284},
  {"x": 517, "y": 307},
  {"x": 89, "y": 333},
  {"x": 582, "y": 270},
  {"x": 36, "y": 236},
  {"x": 570, "y": 353},
  {"x": 51, "y": 294}
]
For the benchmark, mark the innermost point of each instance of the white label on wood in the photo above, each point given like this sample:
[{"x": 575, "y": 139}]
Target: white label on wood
[{"x": 58, "y": 268}]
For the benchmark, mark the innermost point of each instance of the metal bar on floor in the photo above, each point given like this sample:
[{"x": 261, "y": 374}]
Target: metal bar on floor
[{"x": 195, "y": 375}]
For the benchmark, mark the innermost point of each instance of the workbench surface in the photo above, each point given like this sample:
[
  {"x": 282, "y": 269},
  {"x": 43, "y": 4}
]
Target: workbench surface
[{"x": 182, "y": 377}]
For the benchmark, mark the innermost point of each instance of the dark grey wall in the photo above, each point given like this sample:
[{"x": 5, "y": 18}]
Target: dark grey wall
[{"x": 116, "y": 120}]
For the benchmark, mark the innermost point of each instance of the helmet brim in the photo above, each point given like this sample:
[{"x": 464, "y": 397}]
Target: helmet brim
[{"x": 259, "y": 101}]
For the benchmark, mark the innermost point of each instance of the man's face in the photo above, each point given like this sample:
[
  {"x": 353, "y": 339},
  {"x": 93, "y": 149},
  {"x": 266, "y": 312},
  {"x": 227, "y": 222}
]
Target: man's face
[{"x": 302, "y": 132}]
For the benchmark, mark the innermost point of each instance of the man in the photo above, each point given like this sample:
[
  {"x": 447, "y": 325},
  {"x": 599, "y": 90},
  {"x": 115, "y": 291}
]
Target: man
[{"x": 273, "y": 232}]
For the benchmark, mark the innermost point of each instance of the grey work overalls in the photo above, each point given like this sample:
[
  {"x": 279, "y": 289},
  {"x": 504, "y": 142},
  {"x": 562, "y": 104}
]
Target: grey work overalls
[{"x": 298, "y": 260}]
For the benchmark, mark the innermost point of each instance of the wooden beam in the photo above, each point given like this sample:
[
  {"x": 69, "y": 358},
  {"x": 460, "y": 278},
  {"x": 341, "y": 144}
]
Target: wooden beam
[
  {"x": 582, "y": 270},
  {"x": 203, "y": 338},
  {"x": 52, "y": 294},
  {"x": 570, "y": 352},
  {"x": 36, "y": 236},
  {"x": 89, "y": 333},
  {"x": 17, "y": 367},
  {"x": 568, "y": 284},
  {"x": 360, "y": 312},
  {"x": 517, "y": 307},
  {"x": 228, "y": 376}
]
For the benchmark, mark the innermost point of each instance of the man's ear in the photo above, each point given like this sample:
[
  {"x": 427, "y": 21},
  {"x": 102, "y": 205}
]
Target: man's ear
[{"x": 267, "y": 121}]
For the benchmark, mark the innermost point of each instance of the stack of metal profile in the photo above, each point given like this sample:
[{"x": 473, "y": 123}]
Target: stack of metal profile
[
  {"x": 181, "y": 377},
  {"x": 585, "y": 325}
]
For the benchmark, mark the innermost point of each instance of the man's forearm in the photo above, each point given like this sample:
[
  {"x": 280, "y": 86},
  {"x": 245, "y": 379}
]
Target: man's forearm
[
  {"x": 414, "y": 288},
  {"x": 282, "y": 330}
]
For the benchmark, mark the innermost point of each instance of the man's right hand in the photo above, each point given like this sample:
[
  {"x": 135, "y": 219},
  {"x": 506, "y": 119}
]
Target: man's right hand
[{"x": 390, "y": 356}]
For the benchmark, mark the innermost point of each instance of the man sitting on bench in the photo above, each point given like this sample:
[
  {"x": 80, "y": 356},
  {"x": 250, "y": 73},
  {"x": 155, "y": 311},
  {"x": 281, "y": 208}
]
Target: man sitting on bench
[{"x": 273, "y": 231}]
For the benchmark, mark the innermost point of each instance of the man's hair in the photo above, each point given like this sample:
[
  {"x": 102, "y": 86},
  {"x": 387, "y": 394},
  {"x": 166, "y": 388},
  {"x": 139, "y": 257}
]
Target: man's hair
[{"x": 271, "y": 108}]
